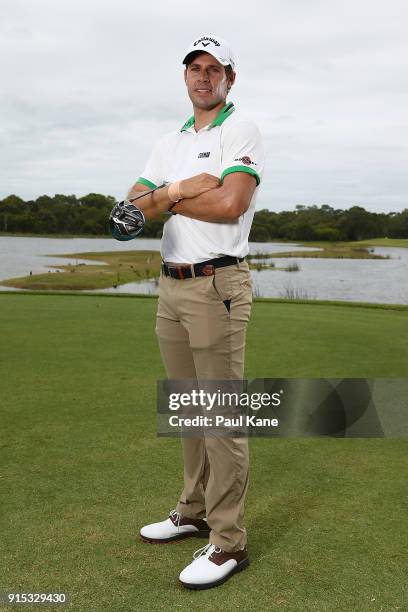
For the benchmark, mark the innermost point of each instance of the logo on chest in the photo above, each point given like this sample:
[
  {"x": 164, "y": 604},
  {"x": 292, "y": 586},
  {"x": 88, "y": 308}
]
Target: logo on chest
[{"x": 205, "y": 154}]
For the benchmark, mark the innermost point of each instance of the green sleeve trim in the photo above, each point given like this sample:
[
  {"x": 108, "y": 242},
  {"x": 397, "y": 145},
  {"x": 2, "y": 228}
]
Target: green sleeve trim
[
  {"x": 241, "y": 169},
  {"x": 144, "y": 181}
]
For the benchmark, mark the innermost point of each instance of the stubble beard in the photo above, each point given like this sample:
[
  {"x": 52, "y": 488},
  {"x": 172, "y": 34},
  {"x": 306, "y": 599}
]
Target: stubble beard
[
  {"x": 203, "y": 105},
  {"x": 220, "y": 96}
]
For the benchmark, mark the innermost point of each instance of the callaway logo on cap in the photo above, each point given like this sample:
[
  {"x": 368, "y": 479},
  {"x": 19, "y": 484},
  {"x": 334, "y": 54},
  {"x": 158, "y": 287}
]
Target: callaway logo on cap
[{"x": 215, "y": 46}]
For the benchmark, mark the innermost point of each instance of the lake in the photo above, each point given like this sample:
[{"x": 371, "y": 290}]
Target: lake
[{"x": 365, "y": 280}]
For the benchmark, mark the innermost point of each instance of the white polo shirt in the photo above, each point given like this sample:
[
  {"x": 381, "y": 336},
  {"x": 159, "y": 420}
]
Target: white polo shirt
[{"x": 228, "y": 144}]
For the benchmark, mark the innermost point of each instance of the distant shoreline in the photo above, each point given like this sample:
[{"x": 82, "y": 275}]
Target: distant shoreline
[
  {"x": 123, "y": 267},
  {"x": 28, "y": 235},
  {"x": 386, "y": 242}
]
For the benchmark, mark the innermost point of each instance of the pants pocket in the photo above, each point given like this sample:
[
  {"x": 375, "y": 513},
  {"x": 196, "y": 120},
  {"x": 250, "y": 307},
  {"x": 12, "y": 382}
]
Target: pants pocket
[
  {"x": 228, "y": 284},
  {"x": 221, "y": 288}
]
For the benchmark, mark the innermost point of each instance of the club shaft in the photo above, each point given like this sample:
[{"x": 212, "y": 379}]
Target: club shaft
[{"x": 145, "y": 193}]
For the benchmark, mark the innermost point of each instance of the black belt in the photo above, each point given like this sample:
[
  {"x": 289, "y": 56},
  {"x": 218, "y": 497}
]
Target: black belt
[{"x": 204, "y": 268}]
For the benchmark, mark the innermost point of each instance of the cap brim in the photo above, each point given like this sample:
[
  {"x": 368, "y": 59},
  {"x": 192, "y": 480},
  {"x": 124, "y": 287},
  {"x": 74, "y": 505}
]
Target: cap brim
[{"x": 197, "y": 51}]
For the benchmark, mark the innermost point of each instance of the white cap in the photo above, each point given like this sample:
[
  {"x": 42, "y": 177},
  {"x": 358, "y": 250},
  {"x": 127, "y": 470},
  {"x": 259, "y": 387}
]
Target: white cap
[{"x": 215, "y": 46}]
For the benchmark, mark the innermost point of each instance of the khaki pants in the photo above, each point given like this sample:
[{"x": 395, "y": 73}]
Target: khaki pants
[{"x": 200, "y": 339}]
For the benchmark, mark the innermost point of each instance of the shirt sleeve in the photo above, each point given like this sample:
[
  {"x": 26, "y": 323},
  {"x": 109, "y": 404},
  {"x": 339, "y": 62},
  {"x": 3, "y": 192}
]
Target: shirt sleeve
[
  {"x": 242, "y": 151},
  {"x": 153, "y": 173}
]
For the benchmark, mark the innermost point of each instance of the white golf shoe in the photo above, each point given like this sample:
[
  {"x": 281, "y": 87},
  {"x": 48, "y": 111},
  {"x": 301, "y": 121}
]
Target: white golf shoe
[
  {"x": 176, "y": 527},
  {"x": 212, "y": 566}
]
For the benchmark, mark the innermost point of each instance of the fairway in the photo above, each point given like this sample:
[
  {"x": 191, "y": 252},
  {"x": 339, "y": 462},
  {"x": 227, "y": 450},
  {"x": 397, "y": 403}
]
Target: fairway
[{"x": 82, "y": 468}]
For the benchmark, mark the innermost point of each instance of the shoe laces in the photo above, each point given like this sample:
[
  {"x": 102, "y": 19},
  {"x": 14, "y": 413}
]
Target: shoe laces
[
  {"x": 178, "y": 518},
  {"x": 208, "y": 550}
]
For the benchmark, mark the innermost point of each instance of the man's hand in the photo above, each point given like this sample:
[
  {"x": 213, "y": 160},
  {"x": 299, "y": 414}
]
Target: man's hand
[
  {"x": 222, "y": 205},
  {"x": 196, "y": 185},
  {"x": 158, "y": 201}
]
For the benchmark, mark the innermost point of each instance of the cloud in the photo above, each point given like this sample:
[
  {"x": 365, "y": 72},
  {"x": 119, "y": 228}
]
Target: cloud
[{"x": 88, "y": 87}]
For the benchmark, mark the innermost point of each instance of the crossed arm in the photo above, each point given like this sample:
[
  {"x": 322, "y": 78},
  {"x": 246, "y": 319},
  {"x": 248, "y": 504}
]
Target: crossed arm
[{"x": 204, "y": 198}]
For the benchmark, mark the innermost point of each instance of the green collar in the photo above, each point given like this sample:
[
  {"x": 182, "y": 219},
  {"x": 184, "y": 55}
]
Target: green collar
[{"x": 225, "y": 112}]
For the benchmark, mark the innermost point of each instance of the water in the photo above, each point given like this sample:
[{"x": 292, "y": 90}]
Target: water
[
  {"x": 19, "y": 255},
  {"x": 366, "y": 280},
  {"x": 362, "y": 280}
]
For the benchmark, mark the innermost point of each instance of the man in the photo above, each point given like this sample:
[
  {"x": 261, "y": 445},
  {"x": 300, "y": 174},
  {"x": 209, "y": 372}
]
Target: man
[{"x": 213, "y": 165}]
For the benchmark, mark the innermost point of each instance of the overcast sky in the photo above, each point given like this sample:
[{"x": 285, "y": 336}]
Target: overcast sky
[{"x": 88, "y": 86}]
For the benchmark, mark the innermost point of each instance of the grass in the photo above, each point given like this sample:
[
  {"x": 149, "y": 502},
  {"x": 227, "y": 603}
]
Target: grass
[
  {"x": 120, "y": 267},
  {"x": 331, "y": 250},
  {"x": 295, "y": 293},
  {"x": 261, "y": 264},
  {"x": 391, "y": 242},
  {"x": 82, "y": 468},
  {"x": 293, "y": 267},
  {"x": 324, "y": 250}
]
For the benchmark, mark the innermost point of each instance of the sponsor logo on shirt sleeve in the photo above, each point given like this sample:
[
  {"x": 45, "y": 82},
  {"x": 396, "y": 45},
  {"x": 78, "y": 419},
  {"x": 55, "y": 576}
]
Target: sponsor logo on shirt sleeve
[{"x": 246, "y": 160}]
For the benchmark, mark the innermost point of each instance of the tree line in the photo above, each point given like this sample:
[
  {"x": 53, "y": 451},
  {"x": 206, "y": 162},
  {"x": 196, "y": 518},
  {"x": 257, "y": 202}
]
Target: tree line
[{"x": 62, "y": 214}]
